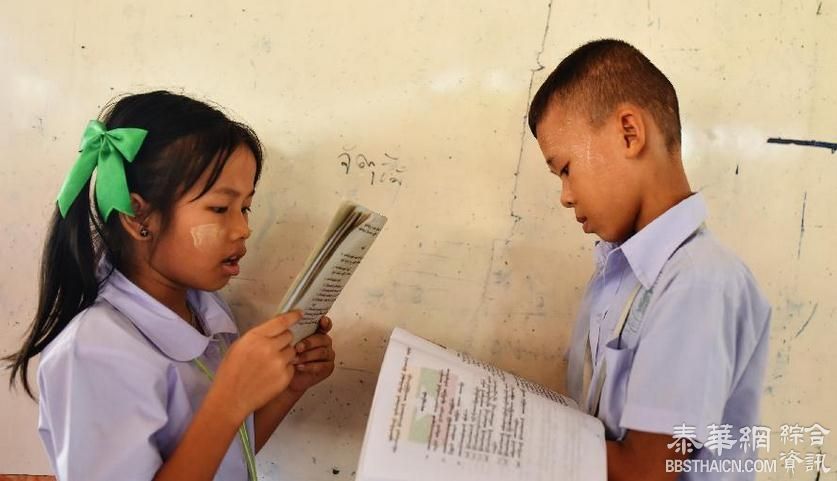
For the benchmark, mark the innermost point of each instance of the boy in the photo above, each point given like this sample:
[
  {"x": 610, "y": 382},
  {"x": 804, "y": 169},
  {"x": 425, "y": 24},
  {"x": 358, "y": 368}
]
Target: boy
[{"x": 672, "y": 334}]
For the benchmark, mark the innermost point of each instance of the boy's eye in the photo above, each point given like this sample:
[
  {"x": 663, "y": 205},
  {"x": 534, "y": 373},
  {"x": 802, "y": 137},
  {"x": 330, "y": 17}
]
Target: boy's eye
[
  {"x": 218, "y": 210},
  {"x": 247, "y": 209}
]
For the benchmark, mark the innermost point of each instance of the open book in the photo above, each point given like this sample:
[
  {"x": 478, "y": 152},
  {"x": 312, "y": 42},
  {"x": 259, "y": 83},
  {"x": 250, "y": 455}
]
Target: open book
[
  {"x": 442, "y": 415},
  {"x": 341, "y": 248}
]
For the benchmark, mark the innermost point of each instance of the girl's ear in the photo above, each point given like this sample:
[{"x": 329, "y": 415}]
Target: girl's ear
[{"x": 142, "y": 225}]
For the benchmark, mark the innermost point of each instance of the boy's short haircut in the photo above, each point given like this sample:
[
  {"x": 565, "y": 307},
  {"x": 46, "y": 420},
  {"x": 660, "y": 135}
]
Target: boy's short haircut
[{"x": 601, "y": 74}]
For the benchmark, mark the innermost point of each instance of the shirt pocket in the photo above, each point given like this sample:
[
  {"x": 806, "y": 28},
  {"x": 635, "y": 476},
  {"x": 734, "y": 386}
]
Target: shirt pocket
[{"x": 618, "y": 362}]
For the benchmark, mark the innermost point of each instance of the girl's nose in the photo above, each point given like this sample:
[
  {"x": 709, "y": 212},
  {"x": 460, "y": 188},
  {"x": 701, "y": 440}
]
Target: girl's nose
[{"x": 241, "y": 229}]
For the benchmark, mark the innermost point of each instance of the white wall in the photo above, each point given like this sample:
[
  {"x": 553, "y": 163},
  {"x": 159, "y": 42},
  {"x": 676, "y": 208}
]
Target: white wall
[{"x": 478, "y": 253}]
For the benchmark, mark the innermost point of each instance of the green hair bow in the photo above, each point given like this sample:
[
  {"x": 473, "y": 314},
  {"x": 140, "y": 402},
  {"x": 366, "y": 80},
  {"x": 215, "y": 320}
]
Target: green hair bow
[{"x": 105, "y": 150}]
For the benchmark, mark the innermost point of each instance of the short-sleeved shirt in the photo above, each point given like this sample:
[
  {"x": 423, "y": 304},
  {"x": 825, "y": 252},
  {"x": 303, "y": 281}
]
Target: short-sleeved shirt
[
  {"x": 118, "y": 388},
  {"x": 693, "y": 350}
]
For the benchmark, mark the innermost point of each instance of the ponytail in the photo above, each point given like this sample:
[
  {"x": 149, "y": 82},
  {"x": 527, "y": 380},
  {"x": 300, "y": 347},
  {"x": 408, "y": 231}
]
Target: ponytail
[{"x": 67, "y": 283}]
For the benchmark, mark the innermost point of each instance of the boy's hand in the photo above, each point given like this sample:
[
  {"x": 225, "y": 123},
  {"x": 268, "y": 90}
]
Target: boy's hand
[
  {"x": 641, "y": 456},
  {"x": 315, "y": 359}
]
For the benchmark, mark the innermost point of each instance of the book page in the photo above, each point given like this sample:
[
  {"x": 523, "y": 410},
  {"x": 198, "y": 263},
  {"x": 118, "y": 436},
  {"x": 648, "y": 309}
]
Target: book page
[
  {"x": 330, "y": 266},
  {"x": 438, "y": 414}
]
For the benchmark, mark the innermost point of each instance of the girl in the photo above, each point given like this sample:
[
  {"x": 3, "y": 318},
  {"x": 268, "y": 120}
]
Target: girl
[{"x": 142, "y": 374}]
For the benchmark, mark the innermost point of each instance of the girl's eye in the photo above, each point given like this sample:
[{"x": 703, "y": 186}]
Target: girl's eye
[
  {"x": 247, "y": 210},
  {"x": 218, "y": 210}
]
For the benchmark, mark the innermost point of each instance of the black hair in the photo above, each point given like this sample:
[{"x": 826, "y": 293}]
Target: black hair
[
  {"x": 186, "y": 138},
  {"x": 599, "y": 75}
]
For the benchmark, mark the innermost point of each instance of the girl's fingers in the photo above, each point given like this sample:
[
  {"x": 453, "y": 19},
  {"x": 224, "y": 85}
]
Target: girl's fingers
[
  {"x": 315, "y": 367},
  {"x": 279, "y": 324},
  {"x": 287, "y": 355},
  {"x": 325, "y": 353},
  {"x": 311, "y": 342},
  {"x": 284, "y": 340},
  {"x": 325, "y": 325}
]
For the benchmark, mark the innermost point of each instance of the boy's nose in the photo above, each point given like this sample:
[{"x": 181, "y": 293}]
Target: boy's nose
[{"x": 567, "y": 199}]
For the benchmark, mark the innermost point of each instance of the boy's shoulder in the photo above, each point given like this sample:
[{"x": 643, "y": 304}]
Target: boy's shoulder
[{"x": 703, "y": 262}]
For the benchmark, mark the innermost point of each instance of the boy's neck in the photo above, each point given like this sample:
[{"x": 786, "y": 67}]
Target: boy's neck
[
  {"x": 659, "y": 207},
  {"x": 666, "y": 188}
]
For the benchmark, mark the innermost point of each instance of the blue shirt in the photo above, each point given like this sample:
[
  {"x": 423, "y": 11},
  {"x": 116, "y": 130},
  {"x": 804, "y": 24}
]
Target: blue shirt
[
  {"x": 118, "y": 388},
  {"x": 693, "y": 350}
]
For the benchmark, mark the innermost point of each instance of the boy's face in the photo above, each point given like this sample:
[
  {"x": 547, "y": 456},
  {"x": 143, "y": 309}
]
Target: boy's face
[{"x": 598, "y": 182}]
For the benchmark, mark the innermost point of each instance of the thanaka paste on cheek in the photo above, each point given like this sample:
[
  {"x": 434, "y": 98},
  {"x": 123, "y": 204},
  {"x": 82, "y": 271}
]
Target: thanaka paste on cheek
[
  {"x": 207, "y": 236},
  {"x": 587, "y": 149}
]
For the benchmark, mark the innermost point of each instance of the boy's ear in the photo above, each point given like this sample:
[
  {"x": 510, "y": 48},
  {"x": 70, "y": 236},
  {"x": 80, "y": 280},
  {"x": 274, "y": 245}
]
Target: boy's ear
[
  {"x": 632, "y": 128},
  {"x": 141, "y": 226}
]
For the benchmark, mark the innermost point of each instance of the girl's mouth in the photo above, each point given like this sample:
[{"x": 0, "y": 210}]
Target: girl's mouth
[{"x": 230, "y": 265}]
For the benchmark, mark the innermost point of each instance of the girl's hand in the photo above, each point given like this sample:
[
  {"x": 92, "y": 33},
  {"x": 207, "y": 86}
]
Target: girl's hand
[
  {"x": 315, "y": 359},
  {"x": 258, "y": 366}
]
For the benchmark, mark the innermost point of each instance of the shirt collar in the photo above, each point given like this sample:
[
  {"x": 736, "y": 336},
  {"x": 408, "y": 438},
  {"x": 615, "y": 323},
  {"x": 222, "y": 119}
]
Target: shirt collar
[
  {"x": 649, "y": 249},
  {"x": 601, "y": 250},
  {"x": 165, "y": 329}
]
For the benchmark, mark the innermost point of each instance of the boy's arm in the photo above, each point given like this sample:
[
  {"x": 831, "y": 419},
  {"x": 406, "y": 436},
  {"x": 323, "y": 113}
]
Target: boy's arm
[{"x": 641, "y": 456}]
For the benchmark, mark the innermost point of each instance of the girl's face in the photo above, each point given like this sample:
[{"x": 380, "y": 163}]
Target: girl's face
[{"x": 204, "y": 242}]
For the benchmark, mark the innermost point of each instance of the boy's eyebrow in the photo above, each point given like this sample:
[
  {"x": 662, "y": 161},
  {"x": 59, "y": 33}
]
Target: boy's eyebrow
[
  {"x": 552, "y": 163},
  {"x": 229, "y": 191}
]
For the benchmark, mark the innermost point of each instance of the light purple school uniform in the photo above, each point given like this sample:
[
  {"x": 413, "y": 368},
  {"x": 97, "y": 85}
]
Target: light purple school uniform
[
  {"x": 694, "y": 347},
  {"x": 118, "y": 388}
]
